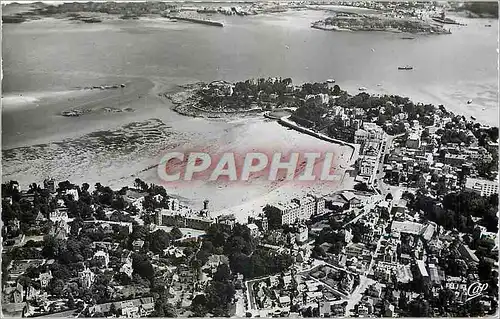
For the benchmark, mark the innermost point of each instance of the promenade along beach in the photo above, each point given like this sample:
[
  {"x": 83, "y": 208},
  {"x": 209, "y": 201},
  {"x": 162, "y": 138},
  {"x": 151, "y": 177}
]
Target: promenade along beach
[{"x": 50, "y": 66}]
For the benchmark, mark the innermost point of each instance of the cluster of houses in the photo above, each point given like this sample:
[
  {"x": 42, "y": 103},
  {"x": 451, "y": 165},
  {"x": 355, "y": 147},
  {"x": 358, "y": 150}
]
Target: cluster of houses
[
  {"x": 280, "y": 295},
  {"x": 423, "y": 163},
  {"x": 133, "y": 308}
]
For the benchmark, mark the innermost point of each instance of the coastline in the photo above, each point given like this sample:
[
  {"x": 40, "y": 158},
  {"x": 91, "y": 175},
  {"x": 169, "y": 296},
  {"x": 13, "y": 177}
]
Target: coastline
[{"x": 136, "y": 153}]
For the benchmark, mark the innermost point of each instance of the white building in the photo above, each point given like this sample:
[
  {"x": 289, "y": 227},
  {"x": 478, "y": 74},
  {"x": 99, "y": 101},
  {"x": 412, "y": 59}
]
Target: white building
[
  {"x": 483, "y": 187},
  {"x": 368, "y": 166},
  {"x": 300, "y": 209},
  {"x": 422, "y": 269},
  {"x": 290, "y": 212},
  {"x": 360, "y": 136},
  {"x": 127, "y": 269},
  {"x": 173, "y": 204},
  {"x": 45, "y": 278},
  {"x": 284, "y": 301},
  {"x": 375, "y": 132},
  {"x": 318, "y": 98},
  {"x": 223, "y": 88},
  {"x": 308, "y": 206}
]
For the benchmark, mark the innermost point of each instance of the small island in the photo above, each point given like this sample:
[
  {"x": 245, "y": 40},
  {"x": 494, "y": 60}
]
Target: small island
[{"x": 342, "y": 21}]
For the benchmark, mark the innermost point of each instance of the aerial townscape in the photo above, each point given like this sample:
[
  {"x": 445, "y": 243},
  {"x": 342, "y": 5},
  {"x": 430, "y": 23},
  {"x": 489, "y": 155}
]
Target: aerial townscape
[
  {"x": 95, "y": 93},
  {"x": 418, "y": 228}
]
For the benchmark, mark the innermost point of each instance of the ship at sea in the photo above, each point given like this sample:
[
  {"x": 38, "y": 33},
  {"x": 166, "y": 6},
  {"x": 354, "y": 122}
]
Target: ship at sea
[{"x": 405, "y": 67}]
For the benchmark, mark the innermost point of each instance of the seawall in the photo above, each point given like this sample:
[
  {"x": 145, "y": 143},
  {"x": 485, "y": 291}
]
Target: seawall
[
  {"x": 207, "y": 22},
  {"x": 288, "y": 123}
]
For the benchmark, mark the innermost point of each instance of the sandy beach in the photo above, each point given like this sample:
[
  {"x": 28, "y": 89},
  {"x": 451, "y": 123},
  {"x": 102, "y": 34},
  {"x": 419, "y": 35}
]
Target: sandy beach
[{"x": 118, "y": 154}]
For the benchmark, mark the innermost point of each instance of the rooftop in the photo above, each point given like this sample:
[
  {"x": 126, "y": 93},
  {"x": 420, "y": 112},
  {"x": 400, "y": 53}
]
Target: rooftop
[{"x": 421, "y": 268}]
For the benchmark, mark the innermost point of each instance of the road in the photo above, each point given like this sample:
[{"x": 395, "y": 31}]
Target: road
[
  {"x": 380, "y": 169},
  {"x": 364, "y": 282},
  {"x": 382, "y": 189},
  {"x": 372, "y": 201},
  {"x": 379, "y": 173}
]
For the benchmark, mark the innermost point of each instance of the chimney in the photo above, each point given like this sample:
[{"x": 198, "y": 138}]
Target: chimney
[{"x": 205, "y": 204}]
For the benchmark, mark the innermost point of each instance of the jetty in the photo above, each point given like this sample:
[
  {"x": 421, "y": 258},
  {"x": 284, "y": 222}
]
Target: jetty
[
  {"x": 194, "y": 20},
  {"x": 287, "y": 122}
]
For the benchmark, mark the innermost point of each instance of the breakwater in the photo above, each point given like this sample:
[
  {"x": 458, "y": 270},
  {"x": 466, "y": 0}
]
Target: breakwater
[
  {"x": 288, "y": 123},
  {"x": 200, "y": 21}
]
